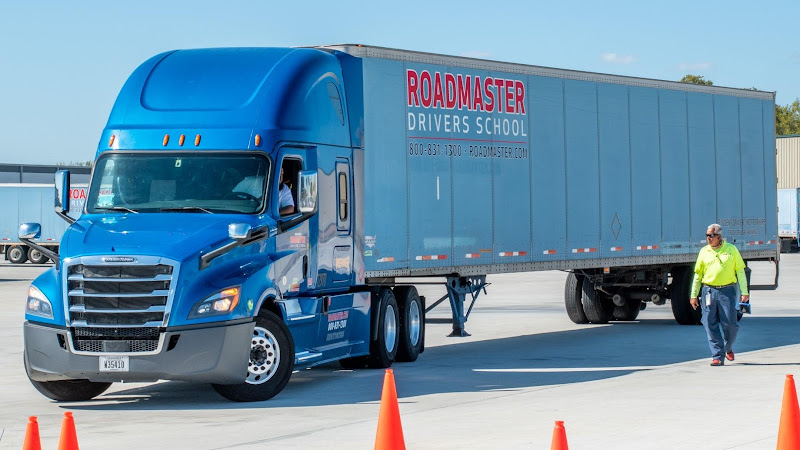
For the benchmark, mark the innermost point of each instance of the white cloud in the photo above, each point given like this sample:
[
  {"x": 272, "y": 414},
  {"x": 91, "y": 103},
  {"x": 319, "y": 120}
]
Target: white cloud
[
  {"x": 693, "y": 67},
  {"x": 613, "y": 58}
]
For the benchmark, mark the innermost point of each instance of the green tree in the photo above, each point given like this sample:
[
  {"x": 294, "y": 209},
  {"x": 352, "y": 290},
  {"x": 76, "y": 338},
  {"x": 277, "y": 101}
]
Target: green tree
[
  {"x": 787, "y": 118},
  {"x": 696, "y": 79}
]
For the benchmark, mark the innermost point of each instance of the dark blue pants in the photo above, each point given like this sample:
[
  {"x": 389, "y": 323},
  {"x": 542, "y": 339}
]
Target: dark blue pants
[{"x": 720, "y": 315}]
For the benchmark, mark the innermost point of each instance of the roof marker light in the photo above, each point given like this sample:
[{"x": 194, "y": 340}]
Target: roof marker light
[
  {"x": 197, "y": 140},
  {"x": 111, "y": 140},
  {"x": 166, "y": 139},
  {"x": 258, "y": 140},
  {"x": 182, "y": 138}
]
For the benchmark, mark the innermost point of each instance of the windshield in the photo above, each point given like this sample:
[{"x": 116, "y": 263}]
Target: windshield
[{"x": 182, "y": 182}]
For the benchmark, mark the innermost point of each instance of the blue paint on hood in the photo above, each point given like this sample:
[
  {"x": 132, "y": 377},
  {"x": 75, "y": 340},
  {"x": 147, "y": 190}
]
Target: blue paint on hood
[{"x": 175, "y": 236}]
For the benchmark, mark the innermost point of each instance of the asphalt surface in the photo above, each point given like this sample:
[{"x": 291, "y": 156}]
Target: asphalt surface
[{"x": 626, "y": 385}]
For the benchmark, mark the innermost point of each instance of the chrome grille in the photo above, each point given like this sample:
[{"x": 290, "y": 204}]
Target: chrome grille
[
  {"x": 117, "y": 308},
  {"x": 131, "y": 295}
]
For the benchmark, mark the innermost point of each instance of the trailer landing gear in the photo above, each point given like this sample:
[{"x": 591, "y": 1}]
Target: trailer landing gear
[{"x": 457, "y": 290}]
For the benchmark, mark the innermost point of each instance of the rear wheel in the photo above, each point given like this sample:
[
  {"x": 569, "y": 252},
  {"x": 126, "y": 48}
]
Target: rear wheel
[
  {"x": 270, "y": 365},
  {"x": 596, "y": 308},
  {"x": 17, "y": 254},
  {"x": 679, "y": 292},
  {"x": 628, "y": 311},
  {"x": 383, "y": 350},
  {"x": 412, "y": 323},
  {"x": 572, "y": 298},
  {"x": 37, "y": 257}
]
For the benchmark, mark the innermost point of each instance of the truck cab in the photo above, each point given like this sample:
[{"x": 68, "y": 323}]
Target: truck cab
[{"x": 218, "y": 239}]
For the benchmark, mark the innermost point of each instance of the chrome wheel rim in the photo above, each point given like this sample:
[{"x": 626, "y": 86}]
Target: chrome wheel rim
[
  {"x": 15, "y": 253},
  {"x": 390, "y": 328},
  {"x": 265, "y": 356},
  {"x": 414, "y": 323}
]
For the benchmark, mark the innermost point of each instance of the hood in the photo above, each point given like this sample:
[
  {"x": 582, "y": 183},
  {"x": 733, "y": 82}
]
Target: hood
[{"x": 177, "y": 236}]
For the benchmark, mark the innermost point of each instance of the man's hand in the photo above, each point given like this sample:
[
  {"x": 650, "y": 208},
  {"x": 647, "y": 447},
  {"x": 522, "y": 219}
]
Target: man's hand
[
  {"x": 693, "y": 301},
  {"x": 745, "y": 298}
]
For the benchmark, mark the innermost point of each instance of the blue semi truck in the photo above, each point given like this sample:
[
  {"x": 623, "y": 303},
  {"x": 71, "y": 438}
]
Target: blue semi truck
[{"x": 256, "y": 210}]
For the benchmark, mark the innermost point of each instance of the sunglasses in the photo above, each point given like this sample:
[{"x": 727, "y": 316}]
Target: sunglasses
[{"x": 712, "y": 235}]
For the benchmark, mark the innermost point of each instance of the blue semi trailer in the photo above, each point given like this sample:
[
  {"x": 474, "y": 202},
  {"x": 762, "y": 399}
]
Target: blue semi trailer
[{"x": 256, "y": 210}]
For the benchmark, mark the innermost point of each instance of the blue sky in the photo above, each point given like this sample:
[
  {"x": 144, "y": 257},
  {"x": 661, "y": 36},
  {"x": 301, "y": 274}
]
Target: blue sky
[{"x": 62, "y": 63}]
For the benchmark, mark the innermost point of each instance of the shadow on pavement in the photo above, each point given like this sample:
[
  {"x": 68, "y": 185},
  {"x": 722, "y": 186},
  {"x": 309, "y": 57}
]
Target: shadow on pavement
[{"x": 536, "y": 360}]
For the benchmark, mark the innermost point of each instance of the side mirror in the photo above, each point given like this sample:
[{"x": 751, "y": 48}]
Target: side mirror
[
  {"x": 307, "y": 180},
  {"x": 239, "y": 230},
  {"x": 30, "y": 231},
  {"x": 62, "y": 192}
]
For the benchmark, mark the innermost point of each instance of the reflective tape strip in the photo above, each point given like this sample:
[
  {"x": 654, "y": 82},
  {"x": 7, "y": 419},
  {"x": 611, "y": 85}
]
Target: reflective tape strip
[
  {"x": 646, "y": 247},
  {"x": 387, "y": 259},
  {"x": 616, "y": 249},
  {"x": 6, "y": 239},
  {"x": 50, "y": 239},
  {"x": 512, "y": 253},
  {"x": 549, "y": 252},
  {"x": 771, "y": 242},
  {"x": 755, "y": 243},
  {"x": 431, "y": 257},
  {"x": 584, "y": 250},
  {"x": 472, "y": 255}
]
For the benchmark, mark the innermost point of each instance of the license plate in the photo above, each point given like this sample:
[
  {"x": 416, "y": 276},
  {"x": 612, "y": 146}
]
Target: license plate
[{"x": 114, "y": 364}]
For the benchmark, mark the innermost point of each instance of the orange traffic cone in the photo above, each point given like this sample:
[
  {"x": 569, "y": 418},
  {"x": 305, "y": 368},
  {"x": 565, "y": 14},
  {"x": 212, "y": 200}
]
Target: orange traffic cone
[
  {"x": 32, "y": 435},
  {"x": 789, "y": 429},
  {"x": 390, "y": 430},
  {"x": 559, "y": 437},
  {"x": 69, "y": 438}
]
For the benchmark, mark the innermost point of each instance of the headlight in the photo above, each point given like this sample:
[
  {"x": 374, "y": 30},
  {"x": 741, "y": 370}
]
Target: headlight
[
  {"x": 217, "y": 304},
  {"x": 38, "y": 304}
]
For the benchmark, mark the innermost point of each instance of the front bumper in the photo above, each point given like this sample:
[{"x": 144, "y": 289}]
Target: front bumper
[{"x": 216, "y": 354}]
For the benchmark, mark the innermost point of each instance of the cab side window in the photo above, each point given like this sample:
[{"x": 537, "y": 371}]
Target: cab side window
[{"x": 287, "y": 191}]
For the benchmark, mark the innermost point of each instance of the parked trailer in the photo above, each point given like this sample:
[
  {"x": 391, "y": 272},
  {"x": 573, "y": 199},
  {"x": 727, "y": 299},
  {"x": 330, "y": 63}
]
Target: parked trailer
[
  {"x": 400, "y": 164},
  {"x": 32, "y": 203},
  {"x": 788, "y": 214}
]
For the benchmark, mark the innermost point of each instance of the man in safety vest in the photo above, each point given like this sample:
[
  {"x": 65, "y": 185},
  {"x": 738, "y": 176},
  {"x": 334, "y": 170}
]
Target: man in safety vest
[{"x": 718, "y": 268}]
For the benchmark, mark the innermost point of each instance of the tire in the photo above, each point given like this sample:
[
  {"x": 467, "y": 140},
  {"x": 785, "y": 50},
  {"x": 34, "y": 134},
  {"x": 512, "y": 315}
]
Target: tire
[
  {"x": 597, "y": 309},
  {"x": 412, "y": 323},
  {"x": 37, "y": 257},
  {"x": 68, "y": 390},
  {"x": 17, "y": 254},
  {"x": 382, "y": 351},
  {"x": 271, "y": 362},
  {"x": 356, "y": 362},
  {"x": 679, "y": 292},
  {"x": 627, "y": 312},
  {"x": 572, "y": 298}
]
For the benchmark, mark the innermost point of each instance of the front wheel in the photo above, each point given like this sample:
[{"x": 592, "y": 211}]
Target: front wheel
[
  {"x": 270, "y": 365},
  {"x": 68, "y": 390}
]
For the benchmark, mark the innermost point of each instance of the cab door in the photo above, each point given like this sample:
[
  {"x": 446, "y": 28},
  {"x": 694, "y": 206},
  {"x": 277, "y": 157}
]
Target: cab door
[{"x": 342, "y": 263}]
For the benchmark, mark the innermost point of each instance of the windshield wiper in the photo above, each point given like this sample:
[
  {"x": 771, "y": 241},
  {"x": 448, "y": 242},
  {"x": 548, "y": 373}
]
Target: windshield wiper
[
  {"x": 187, "y": 208},
  {"x": 117, "y": 208}
]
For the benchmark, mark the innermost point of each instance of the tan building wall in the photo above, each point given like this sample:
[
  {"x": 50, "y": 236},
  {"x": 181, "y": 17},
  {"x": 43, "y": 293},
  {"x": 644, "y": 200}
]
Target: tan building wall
[{"x": 788, "y": 162}]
